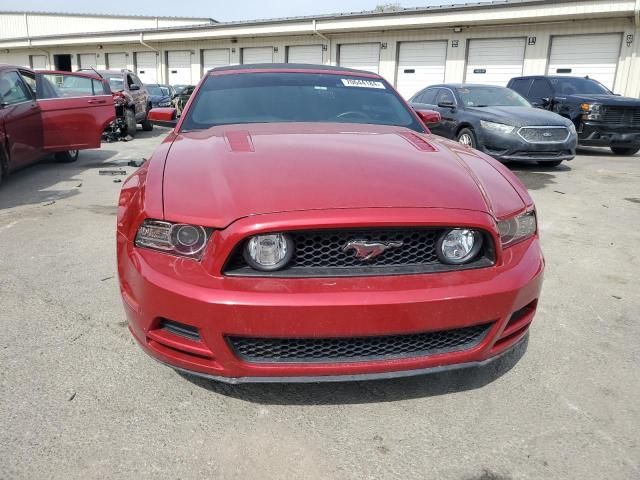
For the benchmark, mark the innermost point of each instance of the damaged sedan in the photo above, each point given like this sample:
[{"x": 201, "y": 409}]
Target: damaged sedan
[{"x": 301, "y": 223}]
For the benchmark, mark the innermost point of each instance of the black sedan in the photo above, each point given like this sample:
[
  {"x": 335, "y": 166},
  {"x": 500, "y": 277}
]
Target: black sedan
[{"x": 499, "y": 122}]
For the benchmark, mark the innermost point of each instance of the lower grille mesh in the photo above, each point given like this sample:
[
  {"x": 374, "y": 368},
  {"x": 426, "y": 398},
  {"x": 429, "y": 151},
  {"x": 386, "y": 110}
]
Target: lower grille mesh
[{"x": 350, "y": 349}]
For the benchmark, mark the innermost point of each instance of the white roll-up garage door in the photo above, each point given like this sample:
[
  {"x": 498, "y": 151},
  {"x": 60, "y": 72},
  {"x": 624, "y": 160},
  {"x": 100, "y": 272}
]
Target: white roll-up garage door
[
  {"x": 494, "y": 61},
  {"x": 116, "y": 61},
  {"x": 39, "y": 62},
  {"x": 216, "y": 57},
  {"x": 179, "y": 67},
  {"x": 147, "y": 66},
  {"x": 581, "y": 55},
  {"x": 362, "y": 56},
  {"x": 87, "y": 60},
  {"x": 257, "y": 55},
  {"x": 305, "y": 54},
  {"x": 420, "y": 64}
]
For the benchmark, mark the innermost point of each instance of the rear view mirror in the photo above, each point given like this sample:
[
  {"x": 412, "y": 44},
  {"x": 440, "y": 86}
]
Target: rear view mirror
[
  {"x": 446, "y": 104},
  {"x": 164, "y": 117},
  {"x": 430, "y": 117}
]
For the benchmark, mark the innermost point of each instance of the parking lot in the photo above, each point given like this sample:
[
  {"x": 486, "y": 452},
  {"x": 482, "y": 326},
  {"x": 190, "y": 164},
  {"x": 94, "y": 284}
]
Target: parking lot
[{"x": 80, "y": 400}]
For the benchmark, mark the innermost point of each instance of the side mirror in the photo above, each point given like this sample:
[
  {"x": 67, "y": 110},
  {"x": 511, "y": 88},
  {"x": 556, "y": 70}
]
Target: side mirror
[
  {"x": 134, "y": 87},
  {"x": 430, "y": 117},
  {"x": 163, "y": 117},
  {"x": 447, "y": 104}
]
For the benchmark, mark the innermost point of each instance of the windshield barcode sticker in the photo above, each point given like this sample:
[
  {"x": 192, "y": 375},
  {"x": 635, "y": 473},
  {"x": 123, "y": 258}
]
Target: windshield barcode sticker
[{"x": 350, "y": 82}]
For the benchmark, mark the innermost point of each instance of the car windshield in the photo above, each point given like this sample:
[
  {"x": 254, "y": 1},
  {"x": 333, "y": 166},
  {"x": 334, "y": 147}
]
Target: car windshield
[
  {"x": 165, "y": 91},
  {"x": 116, "y": 82},
  {"x": 487, "y": 96},
  {"x": 155, "y": 90},
  {"x": 573, "y": 86},
  {"x": 296, "y": 97}
]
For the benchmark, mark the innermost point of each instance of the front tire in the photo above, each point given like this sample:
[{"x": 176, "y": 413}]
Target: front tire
[
  {"x": 69, "y": 156},
  {"x": 625, "y": 150},
  {"x": 552, "y": 164},
  {"x": 467, "y": 137},
  {"x": 147, "y": 126},
  {"x": 130, "y": 122}
]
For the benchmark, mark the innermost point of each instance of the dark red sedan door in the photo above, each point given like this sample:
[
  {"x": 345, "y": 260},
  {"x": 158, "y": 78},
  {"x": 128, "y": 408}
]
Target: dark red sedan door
[
  {"x": 75, "y": 108},
  {"x": 20, "y": 117}
]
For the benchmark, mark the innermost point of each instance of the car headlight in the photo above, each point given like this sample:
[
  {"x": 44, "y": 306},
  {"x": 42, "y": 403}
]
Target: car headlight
[
  {"x": 499, "y": 128},
  {"x": 458, "y": 246},
  {"x": 165, "y": 104},
  {"x": 175, "y": 238},
  {"x": 572, "y": 128},
  {"x": 517, "y": 228},
  {"x": 591, "y": 111},
  {"x": 268, "y": 252}
]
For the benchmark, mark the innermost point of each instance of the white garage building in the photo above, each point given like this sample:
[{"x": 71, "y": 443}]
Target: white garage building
[{"x": 488, "y": 42}]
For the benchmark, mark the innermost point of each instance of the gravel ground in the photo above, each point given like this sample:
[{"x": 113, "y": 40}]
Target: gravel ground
[{"x": 78, "y": 399}]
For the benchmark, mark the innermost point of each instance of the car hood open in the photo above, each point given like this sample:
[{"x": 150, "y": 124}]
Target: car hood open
[{"x": 216, "y": 176}]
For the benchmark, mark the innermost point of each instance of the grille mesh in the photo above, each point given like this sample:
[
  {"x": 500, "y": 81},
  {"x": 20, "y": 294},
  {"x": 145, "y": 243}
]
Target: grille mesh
[
  {"x": 621, "y": 115},
  {"x": 350, "y": 349},
  {"x": 542, "y": 134}
]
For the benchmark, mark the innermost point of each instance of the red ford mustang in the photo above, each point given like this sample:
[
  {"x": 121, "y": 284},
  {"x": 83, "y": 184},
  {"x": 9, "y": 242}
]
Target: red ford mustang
[{"x": 300, "y": 223}]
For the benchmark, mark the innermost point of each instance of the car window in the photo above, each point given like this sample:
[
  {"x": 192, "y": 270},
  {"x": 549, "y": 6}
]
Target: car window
[
  {"x": 521, "y": 85},
  {"x": 490, "y": 96},
  {"x": 444, "y": 96},
  {"x": 130, "y": 80},
  {"x": 116, "y": 82},
  {"x": 427, "y": 96},
  {"x": 574, "y": 86},
  {"x": 99, "y": 88},
  {"x": 539, "y": 90},
  {"x": 155, "y": 90},
  {"x": 296, "y": 97},
  {"x": 70, "y": 85},
  {"x": 13, "y": 90},
  {"x": 30, "y": 80},
  {"x": 137, "y": 81}
]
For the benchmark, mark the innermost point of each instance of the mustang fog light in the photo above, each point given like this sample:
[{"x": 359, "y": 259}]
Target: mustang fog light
[
  {"x": 268, "y": 252},
  {"x": 515, "y": 229},
  {"x": 179, "y": 239},
  {"x": 458, "y": 246}
]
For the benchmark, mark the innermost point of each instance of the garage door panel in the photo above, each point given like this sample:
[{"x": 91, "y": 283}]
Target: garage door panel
[
  {"x": 257, "y": 55},
  {"x": 361, "y": 56},
  {"x": 311, "y": 54},
  {"x": 582, "y": 55},
  {"x": 217, "y": 57},
  {"x": 179, "y": 67},
  {"x": 39, "y": 62},
  {"x": 87, "y": 60},
  {"x": 494, "y": 61},
  {"x": 116, "y": 61},
  {"x": 147, "y": 67},
  {"x": 420, "y": 64}
]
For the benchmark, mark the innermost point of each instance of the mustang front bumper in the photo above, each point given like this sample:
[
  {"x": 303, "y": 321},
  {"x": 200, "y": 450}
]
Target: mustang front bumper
[{"x": 189, "y": 318}]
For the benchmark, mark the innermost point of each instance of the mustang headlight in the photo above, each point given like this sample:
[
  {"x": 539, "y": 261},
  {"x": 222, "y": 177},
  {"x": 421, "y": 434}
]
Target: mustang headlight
[
  {"x": 518, "y": 228},
  {"x": 175, "y": 238},
  {"x": 499, "y": 128},
  {"x": 458, "y": 246},
  {"x": 268, "y": 252}
]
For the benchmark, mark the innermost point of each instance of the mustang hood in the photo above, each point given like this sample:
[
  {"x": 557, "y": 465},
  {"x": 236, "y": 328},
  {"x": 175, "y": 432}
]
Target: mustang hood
[
  {"x": 521, "y": 116},
  {"x": 216, "y": 176}
]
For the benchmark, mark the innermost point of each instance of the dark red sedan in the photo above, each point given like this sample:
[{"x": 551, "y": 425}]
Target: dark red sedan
[
  {"x": 300, "y": 223},
  {"x": 45, "y": 113}
]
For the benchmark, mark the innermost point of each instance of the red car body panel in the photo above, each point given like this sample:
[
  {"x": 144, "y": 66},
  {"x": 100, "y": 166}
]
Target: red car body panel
[
  {"x": 242, "y": 180},
  {"x": 30, "y": 129}
]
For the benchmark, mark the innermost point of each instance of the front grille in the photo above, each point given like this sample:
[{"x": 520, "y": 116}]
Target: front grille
[
  {"x": 320, "y": 253},
  {"x": 544, "y": 134},
  {"x": 621, "y": 115},
  {"x": 353, "y": 349}
]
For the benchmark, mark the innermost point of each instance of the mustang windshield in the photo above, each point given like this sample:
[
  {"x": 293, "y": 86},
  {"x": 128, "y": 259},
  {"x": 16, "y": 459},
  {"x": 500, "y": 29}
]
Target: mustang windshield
[
  {"x": 296, "y": 97},
  {"x": 487, "y": 96}
]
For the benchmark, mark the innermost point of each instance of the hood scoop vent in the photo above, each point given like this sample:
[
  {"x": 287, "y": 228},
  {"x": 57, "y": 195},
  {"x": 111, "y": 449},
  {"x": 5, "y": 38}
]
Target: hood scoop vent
[
  {"x": 418, "y": 142},
  {"x": 239, "y": 141}
]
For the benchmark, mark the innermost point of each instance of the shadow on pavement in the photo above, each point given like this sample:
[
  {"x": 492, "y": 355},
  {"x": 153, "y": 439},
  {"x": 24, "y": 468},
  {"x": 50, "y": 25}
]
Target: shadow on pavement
[
  {"x": 374, "y": 391},
  {"x": 537, "y": 177}
]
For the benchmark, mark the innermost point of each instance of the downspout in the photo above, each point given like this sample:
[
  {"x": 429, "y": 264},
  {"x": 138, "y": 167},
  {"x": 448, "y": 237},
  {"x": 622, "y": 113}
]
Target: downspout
[
  {"x": 328, "y": 40},
  {"x": 30, "y": 45}
]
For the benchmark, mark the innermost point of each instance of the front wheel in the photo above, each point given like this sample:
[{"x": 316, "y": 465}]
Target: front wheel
[
  {"x": 625, "y": 150},
  {"x": 147, "y": 126},
  {"x": 467, "y": 137},
  {"x": 554, "y": 163},
  {"x": 130, "y": 121},
  {"x": 69, "y": 156}
]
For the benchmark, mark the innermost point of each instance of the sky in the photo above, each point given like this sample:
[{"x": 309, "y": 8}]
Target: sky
[{"x": 221, "y": 10}]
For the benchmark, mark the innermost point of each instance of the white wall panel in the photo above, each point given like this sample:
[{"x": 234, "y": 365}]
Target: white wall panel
[
  {"x": 361, "y": 56},
  {"x": 311, "y": 54},
  {"x": 87, "y": 60},
  {"x": 420, "y": 64},
  {"x": 147, "y": 66},
  {"x": 257, "y": 55},
  {"x": 215, "y": 57},
  {"x": 494, "y": 61},
  {"x": 179, "y": 67},
  {"x": 116, "y": 61}
]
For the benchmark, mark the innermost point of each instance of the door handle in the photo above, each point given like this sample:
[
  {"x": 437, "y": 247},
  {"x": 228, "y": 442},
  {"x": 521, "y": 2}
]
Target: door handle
[{"x": 94, "y": 102}]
